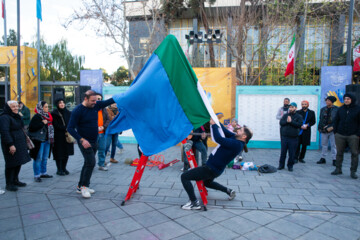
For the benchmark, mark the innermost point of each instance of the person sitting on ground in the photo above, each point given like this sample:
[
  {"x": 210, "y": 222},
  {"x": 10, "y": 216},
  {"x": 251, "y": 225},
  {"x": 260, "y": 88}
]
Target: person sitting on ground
[
  {"x": 229, "y": 147},
  {"x": 234, "y": 124}
]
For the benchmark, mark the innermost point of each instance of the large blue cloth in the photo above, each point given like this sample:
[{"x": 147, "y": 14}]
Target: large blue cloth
[{"x": 151, "y": 109}]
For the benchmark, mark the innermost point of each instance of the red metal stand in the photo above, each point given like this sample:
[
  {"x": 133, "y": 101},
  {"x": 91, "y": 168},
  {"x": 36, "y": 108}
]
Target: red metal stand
[{"x": 136, "y": 179}]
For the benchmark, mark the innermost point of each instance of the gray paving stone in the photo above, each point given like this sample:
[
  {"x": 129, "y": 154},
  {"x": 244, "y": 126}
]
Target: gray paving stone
[
  {"x": 99, "y": 205},
  {"x": 277, "y": 184},
  {"x": 168, "y": 193},
  {"x": 217, "y": 215},
  {"x": 70, "y": 211},
  {"x": 325, "y": 186},
  {"x": 315, "y": 235},
  {"x": 259, "y": 217},
  {"x": 151, "y": 199},
  {"x": 287, "y": 228},
  {"x": 148, "y": 191},
  {"x": 62, "y": 236},
  {"x": 293, "y": 199},
  {"x": 259, "y": 183},
  {"x": 194, "y": 222},
  {"x": 298, "y": 191},
  {"x": 342, "y": 193},
  {"x": 319, "y": 200},
  {"x": 127, "y": 225},
  {"x": 109, "y": 214},
  {"x": 29, "y": 198},
  {"x": 8, "y": 203},
  {"x": 138, "y": 234},
  {"x": 189, "y": 236},
  {"x": 305, "y": 220},
  {"x": 94, "y": 232},
  {"x": 39, "y": 217},
  {"x": 178, "y": 201},
  {"x": 174, "y": 212},
  {"x": 342, "y": 209},
  {"x": 348, "y": 202},
  {"x": 255, "y": 204},
  {"x": 216, "y": 231},
  {"x": 35, "y": 207},
  {"x": 174, "y": 230},
  {"x": 303, "y": 185},
  {"x": 17, "y": 234},
  {"x": 262, "y": 232},
  {"x": 79, "y": 221},
  {"x": 267, "y": 198},
  {"x": 248, "y": 189},
  {"x": 9, "y": 212},
  {"x": 44, "y": 229},
  {"x": 150, "y": 218},
  {"x": 308, "y": 207},
  {"x": 63, "y": 202},
  {"x": 351, "y": 222},
  {"x": 269, "y": 190},
  {"x": 162, "y": 185},
  {"x": 136, "y": 208},
  {"x": 322, "y": 192},
  {"x": 236, "y": 224},
  {"x": 284, "y": 206},
  {"x": 336, "y": 231}
]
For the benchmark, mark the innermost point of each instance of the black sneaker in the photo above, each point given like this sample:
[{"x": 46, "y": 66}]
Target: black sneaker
[
  {"x": 46, "y": 176},
  {"x": 337, "y": 171},
  {"x": 66, "y": 172},
  {"x": 321, "y": 161},
  {"x": 37, "y": 179},
  {"x": 60, "y": 173},
  {"x": 301, "y": 160},
  {"x": 191, "y": 205},
  {"x": 20, "y": 184},
  {"x": 11, "y": 188}
]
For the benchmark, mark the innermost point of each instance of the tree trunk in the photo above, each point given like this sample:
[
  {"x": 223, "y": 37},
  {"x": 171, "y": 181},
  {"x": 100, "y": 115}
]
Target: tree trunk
[{"x": 206, "y": 26}]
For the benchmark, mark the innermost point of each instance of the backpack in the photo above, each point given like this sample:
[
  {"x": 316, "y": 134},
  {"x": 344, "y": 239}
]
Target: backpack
[{"x": 266, "y": 168}]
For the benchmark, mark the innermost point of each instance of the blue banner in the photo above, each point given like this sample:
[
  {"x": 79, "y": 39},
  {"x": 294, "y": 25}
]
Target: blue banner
[
  {"x": 92, "y": 78},
  {"x": 38, "y": 10},
  {"x": 333, "y": 82}
]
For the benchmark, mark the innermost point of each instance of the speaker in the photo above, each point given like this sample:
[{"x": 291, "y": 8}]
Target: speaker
[
  {"x": 57, "y": 94},
  {"x": 355, "y": 90},
  {"x": 80, "y": 93}
]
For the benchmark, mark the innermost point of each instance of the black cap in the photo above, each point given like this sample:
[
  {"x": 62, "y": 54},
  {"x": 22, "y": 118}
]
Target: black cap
[{"x": 331, "y": 98}]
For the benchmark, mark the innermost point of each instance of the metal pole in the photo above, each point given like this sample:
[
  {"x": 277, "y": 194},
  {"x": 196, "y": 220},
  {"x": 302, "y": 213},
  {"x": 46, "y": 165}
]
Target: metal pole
[
  {"x": 18, "y": 54},
  {"x": 38, "y": 59},
  {"x": 6, "y": 68},
  {"x": 348, "y": 47}
]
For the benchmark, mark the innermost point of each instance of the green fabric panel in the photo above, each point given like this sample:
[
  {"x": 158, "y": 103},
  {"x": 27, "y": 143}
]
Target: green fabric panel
[{"x": 183, "y": 80}]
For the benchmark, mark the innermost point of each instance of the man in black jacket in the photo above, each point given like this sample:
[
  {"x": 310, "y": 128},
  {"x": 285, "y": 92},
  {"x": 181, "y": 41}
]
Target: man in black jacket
[
  {"x": 347, "y": 132},
  {"x": 305, "y": 131},
  {"x": 290, "y": 125}
]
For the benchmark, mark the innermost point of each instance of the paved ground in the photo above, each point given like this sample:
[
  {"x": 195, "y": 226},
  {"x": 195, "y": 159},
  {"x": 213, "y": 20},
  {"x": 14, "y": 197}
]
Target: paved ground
[{"x": 308, "y": 203}]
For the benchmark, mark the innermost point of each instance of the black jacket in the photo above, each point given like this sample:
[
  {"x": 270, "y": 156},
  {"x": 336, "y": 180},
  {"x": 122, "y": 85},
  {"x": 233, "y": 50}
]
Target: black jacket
[
  {"x": 311, "y": 120},
  {"x": 36, "y": 124},
  {"x": 11, "y": 129},
  {"x": 61, "y": 148},
  {"x": 327, "y": 121},
  {"x": 347, "y": 119},
  {"x": 291, "y": 129}
]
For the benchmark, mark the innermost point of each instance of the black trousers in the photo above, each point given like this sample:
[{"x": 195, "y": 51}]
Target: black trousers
[
  {"x": 200, "y": 173},
  {"x": 300, "y": 154},
  {"x": 61, "y": 163},
  {"x": 12, "y": 175},
  {"x": 288, "y": 144},
  {"x": 89, "y": 164}
]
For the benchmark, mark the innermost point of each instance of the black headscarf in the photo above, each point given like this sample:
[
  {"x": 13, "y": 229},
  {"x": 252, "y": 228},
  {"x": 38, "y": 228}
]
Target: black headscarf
[
  {"x": 61, "y": 110},
  {"x": 353, "y": 99}
]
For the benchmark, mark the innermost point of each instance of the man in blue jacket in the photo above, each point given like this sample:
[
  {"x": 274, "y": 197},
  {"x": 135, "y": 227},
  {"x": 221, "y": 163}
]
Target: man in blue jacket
[{"x": 229, "y": 147}]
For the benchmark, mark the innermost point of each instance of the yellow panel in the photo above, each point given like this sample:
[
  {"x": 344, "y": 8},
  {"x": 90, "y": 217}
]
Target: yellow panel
[{"x": 220, "y": 87}]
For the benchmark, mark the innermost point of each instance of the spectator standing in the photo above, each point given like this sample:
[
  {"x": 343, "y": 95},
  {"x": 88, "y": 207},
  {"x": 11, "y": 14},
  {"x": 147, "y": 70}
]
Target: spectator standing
[
  {"x": 347, "y": 132},
  {"x": 113, "y": 139},
  {"x": 284, "y": 109},
  {"x": 13, "y": 144},
  {"x": 326, "y": 128},
  {"x": 305, "y": 132},
  {"x": 41, "y": 131},
  {"x": 24, "y": 111},
  {"x": 62, "y": 149}
]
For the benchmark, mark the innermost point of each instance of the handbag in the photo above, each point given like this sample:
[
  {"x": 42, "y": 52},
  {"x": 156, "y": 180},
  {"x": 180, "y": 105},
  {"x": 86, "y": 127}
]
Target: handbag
[
  {"x": 29, "y": 143},
  {"x": 68, "y": 137},
  {"x": 39, "y": 135}
]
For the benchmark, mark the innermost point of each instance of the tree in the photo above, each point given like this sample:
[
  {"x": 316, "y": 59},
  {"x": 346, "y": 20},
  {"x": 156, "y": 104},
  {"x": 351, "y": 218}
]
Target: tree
[
  {"x": 57, "y": 62},
  {"x": 11, "y": 38},
  {"x": 121, "y": 77},
  {"x": 108, "y": 19}
]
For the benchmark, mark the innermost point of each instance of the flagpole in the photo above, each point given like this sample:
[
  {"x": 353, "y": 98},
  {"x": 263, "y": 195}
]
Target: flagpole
[
  {"x": 294, "y": 62},
  {"x": 6, "y": 68},
  {"x": 18, "y": 54},
  {"x": 38, "y": 59}
]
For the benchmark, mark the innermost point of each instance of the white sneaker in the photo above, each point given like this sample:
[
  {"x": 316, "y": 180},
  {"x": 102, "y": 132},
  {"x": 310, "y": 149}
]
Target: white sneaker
[
  {"x": 120, "y": 151},
  {"x": 191, "y": 205},
  {"x": 103, "y": 168},
  {"x": 91, "y": 191},
  {"x": 85, "y": 192},
  {"x": 232, "y": 195}
]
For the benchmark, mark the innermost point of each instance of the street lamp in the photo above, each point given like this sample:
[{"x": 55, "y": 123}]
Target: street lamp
[{"x": 206, "y": 38}]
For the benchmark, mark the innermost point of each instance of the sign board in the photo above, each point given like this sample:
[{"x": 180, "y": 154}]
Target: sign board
[{"x": 93, "y": 78}]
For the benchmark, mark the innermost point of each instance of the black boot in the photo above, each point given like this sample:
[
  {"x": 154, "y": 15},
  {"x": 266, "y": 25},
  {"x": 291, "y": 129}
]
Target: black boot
[
  {"x": 301, "y": 160},
  {"x": 64, "y": 163},
  {"x": 353, "y": 175},
  {"x": 337, "y": 171},
  {"x": 11, "y": 188},
  {"x": 59, "y": 171},
  {"x": 321, "y": 161},
  {"x": 334, "y": 163}
]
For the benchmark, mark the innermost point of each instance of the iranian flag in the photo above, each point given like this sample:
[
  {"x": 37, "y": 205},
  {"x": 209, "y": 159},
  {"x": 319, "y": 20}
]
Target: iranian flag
[
  {"x": 164, "y": 102},
  {"x": 356, "y": 56},
  {"x": 291, "y": 59}
]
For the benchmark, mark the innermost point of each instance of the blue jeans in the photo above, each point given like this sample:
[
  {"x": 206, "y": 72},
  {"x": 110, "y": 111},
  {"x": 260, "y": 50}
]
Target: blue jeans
[
  {"x": 113, "y": 139},
  {"x": 101, "y": 143},
  {"x": 288, "y": 143},
  {"x": 39, "y": 165}
]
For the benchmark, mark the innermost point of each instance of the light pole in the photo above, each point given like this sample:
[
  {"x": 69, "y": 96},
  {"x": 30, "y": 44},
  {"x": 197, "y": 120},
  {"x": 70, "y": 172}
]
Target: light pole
[
  {"x": 18, "y": 54},
  {"x": 348, "y": 46}
]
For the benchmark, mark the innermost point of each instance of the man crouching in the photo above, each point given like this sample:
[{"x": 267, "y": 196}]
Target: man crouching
[{"x": 229, "y": 147}]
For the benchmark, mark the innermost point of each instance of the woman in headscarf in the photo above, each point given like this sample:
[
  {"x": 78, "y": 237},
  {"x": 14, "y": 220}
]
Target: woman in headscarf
[
  {"x": 13, "y": 144},
  {"x": 41, "y": 131},
  {"x": 62, "y": 149}
]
